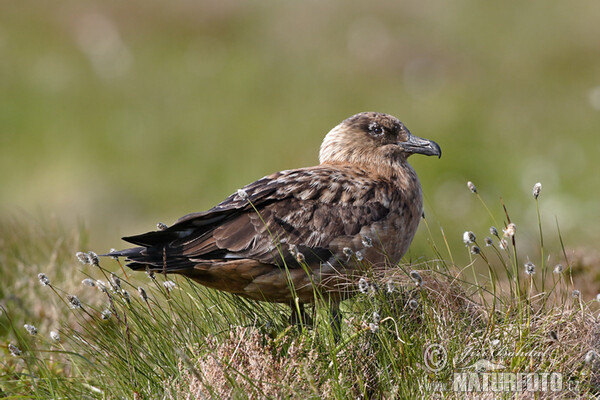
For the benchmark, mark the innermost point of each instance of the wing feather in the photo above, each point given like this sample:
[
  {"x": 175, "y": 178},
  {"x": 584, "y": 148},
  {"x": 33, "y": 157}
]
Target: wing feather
[{"x": 308, "y": 208}]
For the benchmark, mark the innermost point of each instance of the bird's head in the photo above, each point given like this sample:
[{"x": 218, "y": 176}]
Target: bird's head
[{"x": 373, "y": 138}]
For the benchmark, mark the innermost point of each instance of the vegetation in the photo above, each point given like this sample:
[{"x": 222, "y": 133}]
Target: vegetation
[{"x": 412, "y": 331}]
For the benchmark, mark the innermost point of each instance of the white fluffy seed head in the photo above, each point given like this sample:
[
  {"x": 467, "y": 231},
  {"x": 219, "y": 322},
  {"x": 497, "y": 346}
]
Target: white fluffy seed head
[
  {"x": 242, "y": 194},
  {"x": 88, "y": 282},
  {"x": 363, "y": 285},
  {"x": 558, "y": 269},
  {"x": 537, "y": 188},
  {"x": 74, "y": 301},
  {"x": 416, "y": 277},
  {"x": 14, "y": 350},
  {"x": 32, "y": 330},
  {"x": 468, "y": 237},
  {"x": 510, "y": 230},
  {"x": 169, "y": 285},
  {"x": 493, "y": 231},
  {"x": 413, "y": 304},
  {"x": 43, "y": 279},
  {"x": 472, "y": 187},
  {"x": 529, "y": 268},
  {"x": 82, "y": 257},
  {"x": 54, "y": 335},
  {"x": 367, "y": 241}
]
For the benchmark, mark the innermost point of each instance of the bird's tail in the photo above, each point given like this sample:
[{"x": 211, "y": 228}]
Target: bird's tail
[{"x": 152, "y": 258}]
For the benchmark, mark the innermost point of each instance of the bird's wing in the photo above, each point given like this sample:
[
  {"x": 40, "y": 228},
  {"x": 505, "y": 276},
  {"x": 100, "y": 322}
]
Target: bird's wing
[{"x": 274, "y": 218}]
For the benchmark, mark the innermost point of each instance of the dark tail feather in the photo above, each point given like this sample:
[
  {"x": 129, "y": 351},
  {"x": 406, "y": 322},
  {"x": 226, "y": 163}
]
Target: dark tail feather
[
  {"x": 154, "y": 238},
  {"x": 133, "y": 252},
  {"x": 151, "y": 258}
]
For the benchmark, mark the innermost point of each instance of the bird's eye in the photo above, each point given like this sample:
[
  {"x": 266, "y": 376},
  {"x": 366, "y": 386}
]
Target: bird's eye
[{"x": 375, "y": 129}]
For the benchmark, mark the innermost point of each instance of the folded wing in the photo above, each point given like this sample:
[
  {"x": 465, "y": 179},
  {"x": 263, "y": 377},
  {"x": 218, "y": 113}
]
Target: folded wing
[{"x": 270, "y": 221}]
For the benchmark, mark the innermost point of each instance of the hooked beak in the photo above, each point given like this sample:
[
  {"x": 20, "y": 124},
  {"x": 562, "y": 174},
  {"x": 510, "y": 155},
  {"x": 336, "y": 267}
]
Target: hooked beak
[{"x": 417, "y": 145}]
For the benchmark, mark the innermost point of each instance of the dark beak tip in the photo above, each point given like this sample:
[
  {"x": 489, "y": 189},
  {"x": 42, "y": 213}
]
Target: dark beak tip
[{"x": 437, "y": 149}]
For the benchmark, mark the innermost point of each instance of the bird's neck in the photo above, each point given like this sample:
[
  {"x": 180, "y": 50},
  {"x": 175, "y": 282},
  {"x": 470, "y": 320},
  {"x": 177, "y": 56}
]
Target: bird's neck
[{"x": 397, "y": 172}]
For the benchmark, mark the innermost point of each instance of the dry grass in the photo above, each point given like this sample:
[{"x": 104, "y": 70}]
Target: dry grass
[{"x": 248, "y": 364}]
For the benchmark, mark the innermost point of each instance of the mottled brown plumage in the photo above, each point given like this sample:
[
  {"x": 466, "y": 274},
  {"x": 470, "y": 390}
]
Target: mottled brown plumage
[{"x": 312, "y": 227}]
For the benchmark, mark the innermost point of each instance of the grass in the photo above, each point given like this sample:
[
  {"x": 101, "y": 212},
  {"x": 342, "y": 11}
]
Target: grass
[{"x": 413, "y": 331}]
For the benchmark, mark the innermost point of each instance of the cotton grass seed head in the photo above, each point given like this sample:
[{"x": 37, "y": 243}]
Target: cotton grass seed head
[
  {"x": 347, "y": 252},
  {"x": 113, "y": 251},
  {"x": 558, "y": 269},
  {"x": 242, "y": 194},
  {"x": 488, "y": 241},
  {"x": 537, "y": 188},
  {"x": 363, "y": 285},
  {"x": 74, "y": 302},
  {"x": 367, "y": 241},
  {"x": 88, "y": 282},
  {"x": 54, "y": 335},
  {"x": 529, "y": 268},
  {"x": 169, "y": 285},
  {"x": 413, "y": 304},
  {"x": 106, "y": 314},
  {"x": 510, "y": 230},
  {"x": 503, "y": 244},
  {"x": 575, "y": 293},
  {"x": 82, "y": 257},
  {"x": 598, "y": 297},
  {"x": 416, "y": 277},
  {"x": 475, "y": 250},
  {"x": 359, "y": 256},
  {"x": 94, "y": 260},
  {"x": 471, "y": 187},
  {"x": 116, "y": 282},
  {"x": 493, "y": 231},
  {"x": 44, "y": 279},
  {"x": 14, "y": 350},
  {"x": 142, "y": 293},
  {"x": 32, "y": 330},
  {"x": 373, "y": 327},
  {"x": 469, "y": 237}
]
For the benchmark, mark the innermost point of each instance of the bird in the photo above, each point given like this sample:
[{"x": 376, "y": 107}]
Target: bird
[{"x": 300, "y": 235}]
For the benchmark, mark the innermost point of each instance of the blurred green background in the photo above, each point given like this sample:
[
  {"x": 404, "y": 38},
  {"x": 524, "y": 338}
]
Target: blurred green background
[{"x": 124, "y": 114}]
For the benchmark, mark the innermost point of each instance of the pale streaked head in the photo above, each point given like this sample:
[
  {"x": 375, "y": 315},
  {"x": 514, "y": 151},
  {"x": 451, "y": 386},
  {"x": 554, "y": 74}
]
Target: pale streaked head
[{"x": 373, "y": 138}]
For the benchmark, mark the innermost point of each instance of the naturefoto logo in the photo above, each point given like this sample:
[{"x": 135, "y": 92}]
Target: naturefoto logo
[
  {"x": 507, "y": 382},
  {"x": 486, "y": 376}
]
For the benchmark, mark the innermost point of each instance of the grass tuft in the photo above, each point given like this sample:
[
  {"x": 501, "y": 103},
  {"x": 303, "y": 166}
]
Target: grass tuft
[{"x": 408, "y": 332}]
